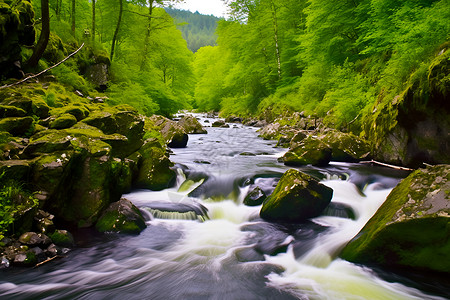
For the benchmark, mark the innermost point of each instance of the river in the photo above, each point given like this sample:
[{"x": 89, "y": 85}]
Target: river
[{"x": 228, "y": 253}]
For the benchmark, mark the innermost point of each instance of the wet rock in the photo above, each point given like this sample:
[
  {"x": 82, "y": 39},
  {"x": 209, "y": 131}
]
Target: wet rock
[
  {"x": 62, "y": 238},
  {"x": 53, "y": 250},
  {"x": 296, "y": 198},
  {"x": 340, "y": 210},
  {"x": 255, "y": 197},
  {"x": 271, "y": 131},
  {"x": 25, "y": 259},
  {"x": 218, "y": 123},
  {"x": 309, "y": 151},
  {"x": 191, "y": 125},
  {"x": 411, "y": 229},
  {"x": 123, "y": 217},
  {"x": 233, "y": 119}
]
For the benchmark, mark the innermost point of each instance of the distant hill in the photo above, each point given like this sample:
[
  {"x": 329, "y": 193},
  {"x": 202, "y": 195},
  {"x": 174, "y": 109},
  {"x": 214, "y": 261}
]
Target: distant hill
[{"x": 198, "y": 30}]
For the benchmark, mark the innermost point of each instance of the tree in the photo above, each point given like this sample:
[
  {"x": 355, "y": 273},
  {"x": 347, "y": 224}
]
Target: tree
[
  {"x": 43, "y": 37},
  {"x": 116, "y": 32}
]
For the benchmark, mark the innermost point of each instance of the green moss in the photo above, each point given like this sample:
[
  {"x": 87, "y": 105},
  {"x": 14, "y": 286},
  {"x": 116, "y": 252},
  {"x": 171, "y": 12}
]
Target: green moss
[{"x": 64, "y": 121}]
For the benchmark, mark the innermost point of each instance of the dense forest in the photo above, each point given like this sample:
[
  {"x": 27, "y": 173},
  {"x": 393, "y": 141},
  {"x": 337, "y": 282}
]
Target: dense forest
[
  {"x": 198, "y": 30},
  {"x": 330, "y": 59}
]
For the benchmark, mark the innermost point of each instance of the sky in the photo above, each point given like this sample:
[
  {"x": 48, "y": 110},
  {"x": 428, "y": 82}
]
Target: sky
[{"x": 206, "y": 7}]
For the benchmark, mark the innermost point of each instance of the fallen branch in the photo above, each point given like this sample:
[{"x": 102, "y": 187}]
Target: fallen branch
[
  {"x": 42, "y": 72},
  {"x": 386, "y": 165},
  {"x": 47, "y": 260}
]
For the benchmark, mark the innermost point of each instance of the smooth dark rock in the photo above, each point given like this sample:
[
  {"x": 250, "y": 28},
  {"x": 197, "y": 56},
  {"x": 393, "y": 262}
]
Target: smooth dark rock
[{"x": 255, "y": 197}]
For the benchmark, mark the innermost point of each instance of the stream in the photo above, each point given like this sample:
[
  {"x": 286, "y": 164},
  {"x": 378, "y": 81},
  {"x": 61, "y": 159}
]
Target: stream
[{"x": 202, "y": 242}]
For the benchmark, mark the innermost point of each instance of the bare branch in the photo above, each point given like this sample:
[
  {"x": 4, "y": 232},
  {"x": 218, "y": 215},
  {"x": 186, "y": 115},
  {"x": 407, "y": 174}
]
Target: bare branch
[{"x": 42, "y": 72}]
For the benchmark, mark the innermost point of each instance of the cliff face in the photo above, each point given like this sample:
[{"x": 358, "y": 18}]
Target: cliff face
[{"x": 413, "y": 127}]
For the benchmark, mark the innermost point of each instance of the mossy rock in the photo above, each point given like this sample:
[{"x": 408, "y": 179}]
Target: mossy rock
[
  {"x": 155, "y": 171},
  {"x": 62, "y": 238},
  {"x": 64, "y": 121},
  {"x": 102, "y": 120},
  {"x": 15, "y": 169},
  {"x": 48, "y": 141},
  {"x": 346, "y": 147},
  {"x": 411, "y": 229},
  {"x": 296, "y": 198},
  {"x": 191, "y": 125},
  {"x": 310, "y": 151},
  {"x": 174, "y": 135},
  {"x": 122, "y": 217},
  {"x": 80, "y": 112},
  {"x": 17, "y": 126},
  {"x": 7, "y": 111}
]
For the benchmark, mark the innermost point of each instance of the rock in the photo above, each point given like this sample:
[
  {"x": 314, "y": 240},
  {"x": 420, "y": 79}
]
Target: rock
[
  {"x": 411, "y": 229},
  {"x": 17, "y": 126},
  {"x": 98, "y": 74},
  {"x": 62, "y": 238},
  {"x": 255, "y": 197},
  {"x": 48, "y": 141},
  {"x": 64, "y": 121},
  {"x": 233, "y": 119},
  {"x": 102, "y": 120},
  {"x": 412, "y": 128},
  {"x": 309, "y": 151},
  {"x": 80, "y": 112},
  {"x": 296, "y": 198},
  {"x": 218, "y": 123},
  {"x": 131, "y": 125},
  {"x": 123, "y": 217},
  {"x": 7, "y": 111},
  {"x": 30, "y": 238},
  {"x": 174, "y": 134},
  {"x": 155, "y": 171},
  {"x": 53, "y": 250},
  {"x": 191, "y": 125},
  {"x": 25, "y": 259},
  {"x": 18, "y": 170},
  {"x": 297, "y": 138},
  {"x": 345, "y": 147}
]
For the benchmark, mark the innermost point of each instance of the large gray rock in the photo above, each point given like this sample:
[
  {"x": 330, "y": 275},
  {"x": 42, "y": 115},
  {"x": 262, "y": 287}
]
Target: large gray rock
[
  {"x": 191, "y": 125},
  {"x": 296, "y": 198},
  {"x": 411, "y": 229},
  {"x": 174, "y": 134},
  {"x": 310, "y": 151}
]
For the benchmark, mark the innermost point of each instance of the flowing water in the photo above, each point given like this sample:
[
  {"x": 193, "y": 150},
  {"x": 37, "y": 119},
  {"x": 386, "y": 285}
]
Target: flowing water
[{"x": 203, "y": 243}]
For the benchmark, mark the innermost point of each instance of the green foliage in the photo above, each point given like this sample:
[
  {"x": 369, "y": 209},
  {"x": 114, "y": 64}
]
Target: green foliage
[{"x": 13, "y": 199}]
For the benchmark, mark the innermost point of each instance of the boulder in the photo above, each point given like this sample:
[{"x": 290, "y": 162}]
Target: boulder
[
  {"x": 63, "y": 121},
  {"x": 255, "y": 197},
  {"x": 7, "y": 111},
  {"x": 191, "y": 125},
  {"x": 80, "y": 112},
  {"x": 271, "y": 131},
  {"x": 412, "y": 127},
  {"x": 345, "y": 147},
  {"x": 411, "y": 229},
  {"x": 296, "y": 198},
  {"x": 174, "y": 134},
  {"x": 310, "y": 151},
  {"x": 48, "y": 141},
  {"x": 62, "y": 238},
  {"x": 102, "y": 120},
  {"x": 122, "y": 217},
  {"x": 155, "y": 171},
  {"x": 17, "y": 126},
  {"x": 15, "y": 169}
]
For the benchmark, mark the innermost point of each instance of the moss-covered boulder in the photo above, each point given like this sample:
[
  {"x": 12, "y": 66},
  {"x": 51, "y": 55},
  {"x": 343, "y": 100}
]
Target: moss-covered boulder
[
  {"x": 16, "y": 169},
  {"x": 80, "y": 112},
  {"x": 7, "y": 111},
  {"x": 412, "y": 228},
  {"x": 345, "y": 147},
  {"x": 297, "y": 197},
  {"x": 131, "y": 125},
  {"x": 64, "y": 121},
  {"x": 62, "y": 238},
  {"x": 122, "y": 217},
  {"x": 412, "y": 128},
  {"x": 155, "y": 171},
  {"x": 17, "y": 126},
  {"x": 310, "y": 151},
  {"x": 191, "y": 125},
  {"x": 48, "y": 141},
  {"x": 102, "y": 120},
  {"x": 174, "y": 134}
]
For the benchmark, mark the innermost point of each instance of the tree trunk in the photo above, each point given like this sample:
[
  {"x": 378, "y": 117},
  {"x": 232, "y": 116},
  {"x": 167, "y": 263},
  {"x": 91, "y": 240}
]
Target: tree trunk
[
  {"x": 73, "y": 17},
  {"x": 275, "y": 37},
  {"x": 43, "y": 38},
  {"x": 116, "y": 32},
  {"x": 147, "y": 35},
  {"x": 93, "y": 21}
]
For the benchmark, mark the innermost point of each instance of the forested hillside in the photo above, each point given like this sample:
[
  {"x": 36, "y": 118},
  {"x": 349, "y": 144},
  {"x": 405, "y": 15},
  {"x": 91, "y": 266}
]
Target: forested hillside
[
  {"x": 331, "y": 59},
  {"x": 198, "y": 30}
]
